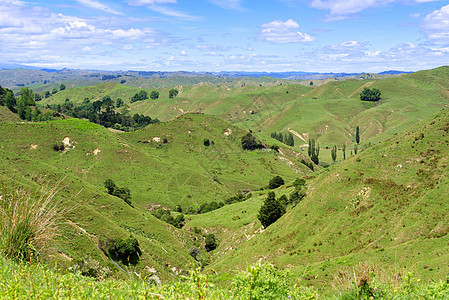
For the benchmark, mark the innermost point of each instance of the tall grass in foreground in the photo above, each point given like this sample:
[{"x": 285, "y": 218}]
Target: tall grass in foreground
[{"x": 28, "y": 219}]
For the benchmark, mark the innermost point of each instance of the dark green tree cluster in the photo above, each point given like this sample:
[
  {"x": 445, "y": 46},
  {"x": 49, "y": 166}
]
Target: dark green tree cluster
[
  {"x": 210, "y": 206},
  {"x": 62, "y": 87},
  {"x": 284, "y": 138},
  {"x": 271, "y": 210},
  {"x": 249, "y": 142},
  {"x": 276, "y": 182},
  {"x": 308, "y": 164},
  {"x": 211, "y": 242},
  {"x": 368, "y": 94},
  {"x": 3, "y": 96},
  {"x": 126, "y": 250},
  {"x": 239, "y": 197},
  {"x": 24, "y": 106},
  {"x": 172, "y": 93},
  {"x": 142, "y": 95},
  {"x": 114, "y": 190},
  {"x": 314, "y": 151},
  {"x": 103, "y": 112},
  {"x": 165, "y": 215},
  {"x": 334, "y": 153},
  {"x": 154, "y": 95}
]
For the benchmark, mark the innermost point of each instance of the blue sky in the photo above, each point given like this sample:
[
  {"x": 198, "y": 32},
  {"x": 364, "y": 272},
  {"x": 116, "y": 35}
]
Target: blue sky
[{"x": 226, "y": 35}]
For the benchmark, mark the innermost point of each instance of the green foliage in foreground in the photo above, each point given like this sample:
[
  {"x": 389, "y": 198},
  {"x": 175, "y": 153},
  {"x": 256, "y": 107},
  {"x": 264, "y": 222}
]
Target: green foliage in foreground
[{"x": 35, "y": 281}]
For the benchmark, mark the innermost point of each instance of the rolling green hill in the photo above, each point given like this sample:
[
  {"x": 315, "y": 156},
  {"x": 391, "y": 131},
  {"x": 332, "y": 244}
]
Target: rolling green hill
[
  {"x": 182, "y": 171},
  {"x": 328, "y": 113},
  {"x": 386, "y": 206}
]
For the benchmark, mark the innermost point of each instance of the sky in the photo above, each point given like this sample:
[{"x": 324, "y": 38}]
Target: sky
[{"x": 226, "y": 35}]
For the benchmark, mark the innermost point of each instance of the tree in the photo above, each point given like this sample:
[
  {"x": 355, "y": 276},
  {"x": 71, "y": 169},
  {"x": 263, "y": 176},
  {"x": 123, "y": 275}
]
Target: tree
[
  {"x": 368, "y": 94},
  {"x": 270, "y": 211},
  {"x": 356, "y": 149},
  {"x": 249, "y": 142},
  {"x": 21, "y": 108},
  {"x": 357, "y": 135},
  {"x": 54, "y": 91},
  {"x": 206, "y": 142},
  {"x": 10, "y": 101},
  {"x": 344, "y": 151},
  {"x": 211, "y": 242},
  {"x": 37, "y": 97},
  {"x": 47, "y": 94},
  {"x": 62, "y": 87},
  {"x": 288, "y": 140},
  {"x": 334, "y": 153},
  {"x": 27, "y": 96},
  {"x": 128, "y": 250},
  {"x": 154, "y": 95},
  {"x": 276, "y": 182},
  {"x": 119, "y": 102},
  {"x": 173, "y": 93}
]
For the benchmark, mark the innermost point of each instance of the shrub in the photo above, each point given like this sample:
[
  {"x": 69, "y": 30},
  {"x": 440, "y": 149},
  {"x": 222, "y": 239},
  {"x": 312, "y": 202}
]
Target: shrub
[
  {"x": 173, "y": 93},
  {"x": 370, "y": 94},
  {"x": 128, "y": 250},
  {"x": 299, "y": 183},
  {"x": 270, "y": 211},
  {"x": 114, "y": 190},
  {"x": 58, "y": 147},
  {"x": 206, "y": 142},
  {"x": 211, "y": 242},
  {"x": 90, "y": 268},
  {"x": 276, "y": 182},
  {"x": 28, "y": 220},
  {"x": 249, "y": 142},
  {"x": 194, "y": 252}
]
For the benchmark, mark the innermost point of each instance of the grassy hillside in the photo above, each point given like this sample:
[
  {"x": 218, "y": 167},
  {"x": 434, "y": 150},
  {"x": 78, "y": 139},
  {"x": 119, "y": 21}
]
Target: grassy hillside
[
  {"x": 7, "y": 116},
  {"x": 182, "y": 171},
  {"x": 328, "y": 113},
  {"x": 385, "y": 206}
]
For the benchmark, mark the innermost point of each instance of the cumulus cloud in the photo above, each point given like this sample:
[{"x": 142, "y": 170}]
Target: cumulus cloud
[
  {"x": 100, "y": 6},
  {"x": 283, "y": 32},
  {"x": 436, "y": 26}
]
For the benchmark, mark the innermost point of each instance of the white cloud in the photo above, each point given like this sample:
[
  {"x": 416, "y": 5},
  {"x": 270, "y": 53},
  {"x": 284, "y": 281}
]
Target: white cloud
[
  {"x": 436, "y": 26},
  {"x": 229, "y": 4},
  {"x": 172, "y": 12},
  {"x": 97, "y": 5},
  {"x": 183, "y": 53},
  {"x": 341, "y": 9},
  {"x": 283, "y": 32},
  {"x": 415, "y": 15}
]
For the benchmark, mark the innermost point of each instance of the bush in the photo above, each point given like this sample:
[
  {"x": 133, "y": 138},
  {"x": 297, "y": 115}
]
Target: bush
[
  {"x": 276, "y": 182},
  {"x": 128, "y": 250},
  {"x": 114, "y": 190},
  {"x": 194, "y": 252},
  {"x": 211, "y": 242},
  {"x": 370, "y": 94},
  {"x": 299, "y": 183},
  {"x": 58, "y": 147},
  {"x": 90, "y": 268},
  {"x": 28, "y": 220},
  {"x": 249, "y": 142},
  {"x": 206, "y": 142},
  {"x": 270, "y": 211}
]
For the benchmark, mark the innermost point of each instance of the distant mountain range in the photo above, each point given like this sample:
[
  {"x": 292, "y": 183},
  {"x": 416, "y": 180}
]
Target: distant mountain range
[{"x": 16, "y": 75}]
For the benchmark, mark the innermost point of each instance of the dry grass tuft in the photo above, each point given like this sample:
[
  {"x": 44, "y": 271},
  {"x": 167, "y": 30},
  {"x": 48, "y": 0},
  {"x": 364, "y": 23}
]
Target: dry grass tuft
[{"x": 28, "y": 218}]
